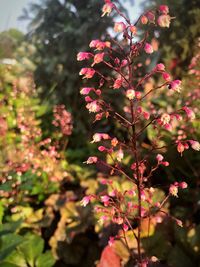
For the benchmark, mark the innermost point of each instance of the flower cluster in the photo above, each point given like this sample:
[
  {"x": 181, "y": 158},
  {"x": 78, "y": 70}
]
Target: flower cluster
[
  {"x": 127, "y": 156},
  {"x": 63, "y": 119}
]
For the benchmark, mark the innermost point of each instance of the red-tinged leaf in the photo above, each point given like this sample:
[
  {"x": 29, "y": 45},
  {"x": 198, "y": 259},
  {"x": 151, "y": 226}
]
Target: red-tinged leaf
[{"x": 109, "y": 258}]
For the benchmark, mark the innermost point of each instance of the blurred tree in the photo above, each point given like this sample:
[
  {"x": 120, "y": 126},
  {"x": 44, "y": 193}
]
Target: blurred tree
[
  {"x": 59, "y": 29},
  {"x": 9, "y": 41},
  {"x": 179, "y": 41}
]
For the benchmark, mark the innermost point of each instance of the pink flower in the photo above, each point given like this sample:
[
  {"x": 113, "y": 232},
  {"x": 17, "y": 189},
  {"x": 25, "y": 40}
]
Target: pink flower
[
  {"x": 91, "y": 160},
  {"x": 159, "y": 157},
  {"x": 124, "y": 63},
  {"x": 98, "y": 58},
  {"x": 114, "y": 142},
  {"x": 151, "y": 16},
  {"x": 144, "y": 20},
  {"x": 146, "y": 115},
  {"x": 166, "y": 76},
  {"x": 164, "y": 9},
  {"x": 107, "y": 9},
  {"x": 97, "y": 137},
  {"x": 165, "y": 163},
  {"x": 180, "y": 147},
  {"x": 85, "y": 201},
  {"x": 189, "y": 112},
  {"x": 179, "y": 223},
  {"x": 133, "y": 29},
  {"x": 86, "y": 90},
  {"x": 119, "y": 27},
  {"x": 111, "y": 241},
  {"x": 175, "y": 85},
  {"x": 183, "y": 185},
  {"x": 101, "y": 148},
  {"x": 119, "y": 155},
  {"x": 195, "y": 145},
  {"x": 99, "y": 45},
  {"x": 130, "y": 94},
  {"x": 118, "y": 83},
  {"x": 160, "y": 67},
  {"x": 125, "y": 227},
  {"x": 88, "y": 99},
  {"x": 148, "y": 48},
  {"x": 87, "y": 72},
  {"x": 93, "y": 106},
  {"x": 164, "y": 21},
  {"x": 138, "y": 94},
  {"x": 173, "y": 190},
  {"x": 165, "y": 118},
  {"x": 98, "y": 92},
  {"x": 105, "y": 198},
  {"x": 83, "y": 55}
]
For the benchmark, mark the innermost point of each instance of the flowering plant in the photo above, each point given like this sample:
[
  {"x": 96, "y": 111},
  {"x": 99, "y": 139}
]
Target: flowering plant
[{"x": 127, "y": 155}]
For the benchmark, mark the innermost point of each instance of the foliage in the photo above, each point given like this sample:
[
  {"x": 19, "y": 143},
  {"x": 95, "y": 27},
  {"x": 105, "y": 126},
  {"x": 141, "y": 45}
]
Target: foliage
[{"x": 57, "y": 39}]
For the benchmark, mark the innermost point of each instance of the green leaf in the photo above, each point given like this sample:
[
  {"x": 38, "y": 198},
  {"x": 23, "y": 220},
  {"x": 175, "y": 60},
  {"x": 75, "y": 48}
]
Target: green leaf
[
  {"x": 8, "y": 245},
  {"x": 45, "y": 260},
  {"x": 31, "y": 248}
]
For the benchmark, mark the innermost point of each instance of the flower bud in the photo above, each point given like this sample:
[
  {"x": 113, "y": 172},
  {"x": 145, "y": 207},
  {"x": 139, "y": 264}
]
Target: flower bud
[{"x": 164, "y": 21}]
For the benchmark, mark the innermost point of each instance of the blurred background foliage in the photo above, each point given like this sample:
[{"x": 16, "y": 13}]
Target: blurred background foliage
[{"x": 42, "y": 174}]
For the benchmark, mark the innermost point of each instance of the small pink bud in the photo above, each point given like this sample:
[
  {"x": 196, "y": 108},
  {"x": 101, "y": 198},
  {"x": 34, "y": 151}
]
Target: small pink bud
[
  {"x": 144, "y": 20},
  {"x": 175, "y": 85},
  {"x": 118, "y": 83},
  {"x": 91, "y": 160},
  {"x": 180, "y": 147},
  {"x": 124, "y": 63},
  {"x": 87, "y": 73},
  {"x": 85, "y": 201},
  {"x": 183, "y": 185},
  {"x": 120, "y": 155},
  {"x": 114, "y": 142},
  {"x": 111, "y": 241},
  {"x": 164, "y": 21},
  {"x": 151, "y": 17},
  {"x": 146, "y": 115},
  {"x": 98, "y": 58},
  {"x": 107, "y": 9},
  {"x": 173, "y": 190},
  {"x": 83, "y": 56},
  {"x": 88, "y": 99},
  {"x": 165, "y": 163},
  {"x": 130, "y": 94},
  {"x": 160, "y": 67},
  {"x": 195, "y": 145},
  {"x": 189, "y": 112},
  {"x": 105, "y": 198},
  {"x": 148, "y": 48},
  {"x": 166, "y": 76},
  {"x": 86, "y": 90},
  {"x": 98, "y": 92},
  {"x": 165, "y": 118},
  {"x": 93, "y": 106},
  {"x": 179, "y": 223},
  {"x": 101, "y": 148},
  {"x": 125, "y": 227},
  {"x": 119, "y": 27},
  {"x": 164, "y": 9},
  {"x": 138, "y": 94},
  {"x": 133, "y": 29},
  {"x": 159, "y": 157}
]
